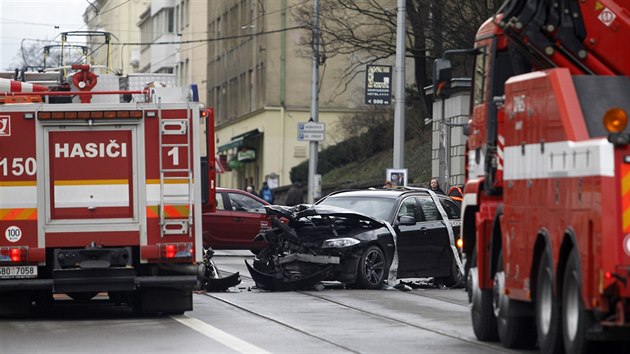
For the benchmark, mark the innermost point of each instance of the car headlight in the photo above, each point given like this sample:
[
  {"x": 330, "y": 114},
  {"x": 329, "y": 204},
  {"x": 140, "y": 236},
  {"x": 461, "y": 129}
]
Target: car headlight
[{"x": 340, "y": 242}]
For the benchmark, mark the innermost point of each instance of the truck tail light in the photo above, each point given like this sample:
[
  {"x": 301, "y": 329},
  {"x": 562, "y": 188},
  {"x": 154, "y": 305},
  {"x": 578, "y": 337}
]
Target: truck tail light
[
  {"x": 176, "y": 251},
  {"x": 15, "y": 254}
]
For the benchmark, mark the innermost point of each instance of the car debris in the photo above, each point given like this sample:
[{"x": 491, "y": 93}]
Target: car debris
[{"x": 212, "y": 280}]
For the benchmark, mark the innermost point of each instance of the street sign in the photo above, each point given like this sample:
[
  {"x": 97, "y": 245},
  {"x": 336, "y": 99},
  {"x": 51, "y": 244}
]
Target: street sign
[
  {"x": 305, "y": 136},
  {"x": 311, "y": 131},
  {"x": 311, "y": 127},
  {"x": 378, "y": 84}
]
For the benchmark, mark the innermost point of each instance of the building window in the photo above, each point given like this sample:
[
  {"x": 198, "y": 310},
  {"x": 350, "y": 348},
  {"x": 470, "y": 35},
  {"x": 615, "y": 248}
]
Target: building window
[{"x": 163, "y": 22}]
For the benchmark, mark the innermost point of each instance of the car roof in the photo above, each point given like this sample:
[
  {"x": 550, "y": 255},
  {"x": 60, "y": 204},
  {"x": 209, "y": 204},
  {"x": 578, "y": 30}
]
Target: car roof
[
  {"x": 381, "y": 192},
  {"x": 235, "y": 190}
]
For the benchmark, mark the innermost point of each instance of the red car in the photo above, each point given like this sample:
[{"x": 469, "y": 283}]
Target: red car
[{"x": 239, "y": 218}]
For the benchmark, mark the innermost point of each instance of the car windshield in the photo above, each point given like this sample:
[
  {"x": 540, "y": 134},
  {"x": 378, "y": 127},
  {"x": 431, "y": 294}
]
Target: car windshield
[{"x": 377, "y": 208}]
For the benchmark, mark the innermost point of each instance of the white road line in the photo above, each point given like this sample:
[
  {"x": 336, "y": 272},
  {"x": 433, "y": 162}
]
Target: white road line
[{"x": 222, "y": 337}]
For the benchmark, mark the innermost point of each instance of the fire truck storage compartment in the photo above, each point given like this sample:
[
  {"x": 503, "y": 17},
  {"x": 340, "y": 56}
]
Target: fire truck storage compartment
[{"x": 90, "y": 172}]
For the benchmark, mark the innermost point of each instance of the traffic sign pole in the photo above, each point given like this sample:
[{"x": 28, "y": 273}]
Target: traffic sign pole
[{"x": 313, "y": 146}]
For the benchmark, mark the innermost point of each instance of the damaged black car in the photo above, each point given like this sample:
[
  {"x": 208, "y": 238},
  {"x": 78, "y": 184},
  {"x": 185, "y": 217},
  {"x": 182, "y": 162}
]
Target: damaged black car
[{"x": 362, "y": 239}]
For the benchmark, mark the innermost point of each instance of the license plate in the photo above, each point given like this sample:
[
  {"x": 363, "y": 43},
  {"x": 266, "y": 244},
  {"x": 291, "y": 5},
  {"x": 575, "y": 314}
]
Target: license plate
[{"x": 18, "y": 272}]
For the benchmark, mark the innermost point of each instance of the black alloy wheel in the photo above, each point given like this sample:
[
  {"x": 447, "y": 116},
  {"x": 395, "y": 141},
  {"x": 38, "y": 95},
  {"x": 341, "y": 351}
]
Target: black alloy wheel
[{"x": 371, "y": 270}]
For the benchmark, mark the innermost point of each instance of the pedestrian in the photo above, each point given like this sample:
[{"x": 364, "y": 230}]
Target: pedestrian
[
  {"x": 388, "y": 184},
  {"x": 295, "y": 195},
  {"x": 250, "y": 189},
  {"x": 266, "y": 193},
  {"x": 435, "y": 186}
]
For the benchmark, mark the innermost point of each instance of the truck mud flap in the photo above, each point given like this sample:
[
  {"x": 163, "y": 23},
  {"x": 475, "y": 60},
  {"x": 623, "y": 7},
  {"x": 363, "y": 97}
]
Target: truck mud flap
[{"x": 271, "y": 283}]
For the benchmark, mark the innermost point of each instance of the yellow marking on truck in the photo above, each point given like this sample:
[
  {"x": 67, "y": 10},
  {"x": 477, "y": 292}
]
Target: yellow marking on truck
[
  {"x": 18, "y": 214},
  {"x": 85, "y": 182},
  {"x": 625, "y": 184},
  {"x": 18, "y": 183},
  {"x": 170, "y": 211}
]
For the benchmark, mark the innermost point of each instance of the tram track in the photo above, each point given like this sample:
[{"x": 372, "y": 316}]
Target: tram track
[{"x": 367, "y": 312}]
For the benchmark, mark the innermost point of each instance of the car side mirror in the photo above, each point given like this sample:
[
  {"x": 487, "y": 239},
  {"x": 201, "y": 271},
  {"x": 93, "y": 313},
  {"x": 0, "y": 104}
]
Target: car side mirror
[{"x": 406, "y": 220}]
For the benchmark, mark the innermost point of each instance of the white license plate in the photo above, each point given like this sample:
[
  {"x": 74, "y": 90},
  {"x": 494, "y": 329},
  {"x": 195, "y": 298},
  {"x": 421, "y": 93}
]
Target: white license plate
[{"x": 18, "y": 272}]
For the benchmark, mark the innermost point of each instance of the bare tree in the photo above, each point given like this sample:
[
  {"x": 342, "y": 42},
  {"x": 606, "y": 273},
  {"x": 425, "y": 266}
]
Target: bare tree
[
  {"x": 365, "y": 31},
  {"x": 45, "y": 54}
]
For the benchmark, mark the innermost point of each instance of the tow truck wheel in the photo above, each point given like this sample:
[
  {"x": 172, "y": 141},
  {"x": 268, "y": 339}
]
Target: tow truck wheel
[
  {"x": 371, "y": 270},
  {"x": 483, "y": 320},
  {"x": 514, "y": 331},
  {"x": 547, "y": 311},
  {"x": 575, "y": 319}
]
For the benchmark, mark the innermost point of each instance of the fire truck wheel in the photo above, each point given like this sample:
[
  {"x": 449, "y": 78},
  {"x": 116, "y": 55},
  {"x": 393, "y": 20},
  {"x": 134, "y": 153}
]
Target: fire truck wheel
[
  {"x": 483, "y": 320},
  {"x": 575, "y": 319},
  {"x": 514, "y": 331},
  {"x": 547, "y": 311}
]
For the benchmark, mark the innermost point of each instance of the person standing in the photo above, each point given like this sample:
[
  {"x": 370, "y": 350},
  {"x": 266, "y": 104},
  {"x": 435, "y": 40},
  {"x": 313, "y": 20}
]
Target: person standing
[
  {"x": 295, "y": 195},
  {"x": 266, "y": 193},
  {"x": 250, "y": 189},
  {"x": 435, "y": 186}
]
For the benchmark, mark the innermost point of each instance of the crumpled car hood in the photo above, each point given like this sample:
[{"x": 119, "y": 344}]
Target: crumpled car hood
[
  {"x": 305, "y": 215},
  {"x": 295, "y": 258}
]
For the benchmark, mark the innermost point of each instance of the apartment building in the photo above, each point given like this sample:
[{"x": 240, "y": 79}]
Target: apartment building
[
  {"x": 120, "y": 18},
  {"x": 259, "y": 83}
]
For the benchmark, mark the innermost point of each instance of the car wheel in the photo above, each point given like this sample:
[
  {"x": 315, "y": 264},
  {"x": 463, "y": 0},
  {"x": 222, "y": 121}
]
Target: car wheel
[
  {"x": 455, "y": 278},
  {"x": 483, "y": 320},
  {"x": 547, "y": 308},
  {"x": 575, "y": 319},
  {"x": 371, "y": 269},
  {"x": 514, "y": 332}
]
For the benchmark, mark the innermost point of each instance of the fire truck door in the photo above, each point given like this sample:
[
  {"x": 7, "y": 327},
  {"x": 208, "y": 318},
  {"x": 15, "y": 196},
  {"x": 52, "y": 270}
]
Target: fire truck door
[{"x": 91, "y": 174}]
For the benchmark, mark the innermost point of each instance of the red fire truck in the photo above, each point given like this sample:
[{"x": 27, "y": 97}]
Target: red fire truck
[
  {"x": 546, "y": 206},
  {"x": 101, "y": 190}
]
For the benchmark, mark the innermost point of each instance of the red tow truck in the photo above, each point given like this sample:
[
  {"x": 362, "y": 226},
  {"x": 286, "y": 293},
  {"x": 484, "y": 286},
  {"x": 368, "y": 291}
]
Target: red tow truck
[
  {"x": 546, "y": 205},
  {"x": 102, "y": 190}
]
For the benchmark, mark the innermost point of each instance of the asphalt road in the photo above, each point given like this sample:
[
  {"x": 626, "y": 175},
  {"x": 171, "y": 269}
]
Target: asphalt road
[{"x": 248, "y": 320}]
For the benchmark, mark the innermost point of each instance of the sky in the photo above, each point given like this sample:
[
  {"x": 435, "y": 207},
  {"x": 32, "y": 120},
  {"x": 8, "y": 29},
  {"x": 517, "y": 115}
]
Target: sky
[{"x": 26, "y": 21}]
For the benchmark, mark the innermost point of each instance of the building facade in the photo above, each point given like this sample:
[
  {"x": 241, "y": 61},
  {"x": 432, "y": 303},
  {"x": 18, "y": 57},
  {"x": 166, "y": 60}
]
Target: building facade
[
  {"x": 120, "y": 18},
  {"x": 259, "y": 83}
]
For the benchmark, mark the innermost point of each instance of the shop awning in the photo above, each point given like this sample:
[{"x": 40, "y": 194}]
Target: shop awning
[{"x": 238, "y": 140}]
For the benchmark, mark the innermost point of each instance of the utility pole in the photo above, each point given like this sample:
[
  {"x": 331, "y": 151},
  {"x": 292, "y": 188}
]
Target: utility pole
[
  {"x": 399, "y": 108},
  {"x": 313, "y": 145}
]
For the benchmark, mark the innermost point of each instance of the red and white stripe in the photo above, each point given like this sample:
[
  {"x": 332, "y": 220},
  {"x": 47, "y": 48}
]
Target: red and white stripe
[
  {"x": 500, "y": 145},
  {"x": 7, "y": 85}
]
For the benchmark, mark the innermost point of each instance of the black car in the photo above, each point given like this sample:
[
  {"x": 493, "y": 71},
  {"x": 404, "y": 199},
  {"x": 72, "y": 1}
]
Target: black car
[{"x": 362, "y": 238}]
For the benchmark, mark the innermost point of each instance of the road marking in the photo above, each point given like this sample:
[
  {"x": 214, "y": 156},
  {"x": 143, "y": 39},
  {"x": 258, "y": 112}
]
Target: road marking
[{"x": 224, "y": 338}]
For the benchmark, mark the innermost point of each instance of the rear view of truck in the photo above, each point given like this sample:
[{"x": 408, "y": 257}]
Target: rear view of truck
[{"x": 101, "y": 192}]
